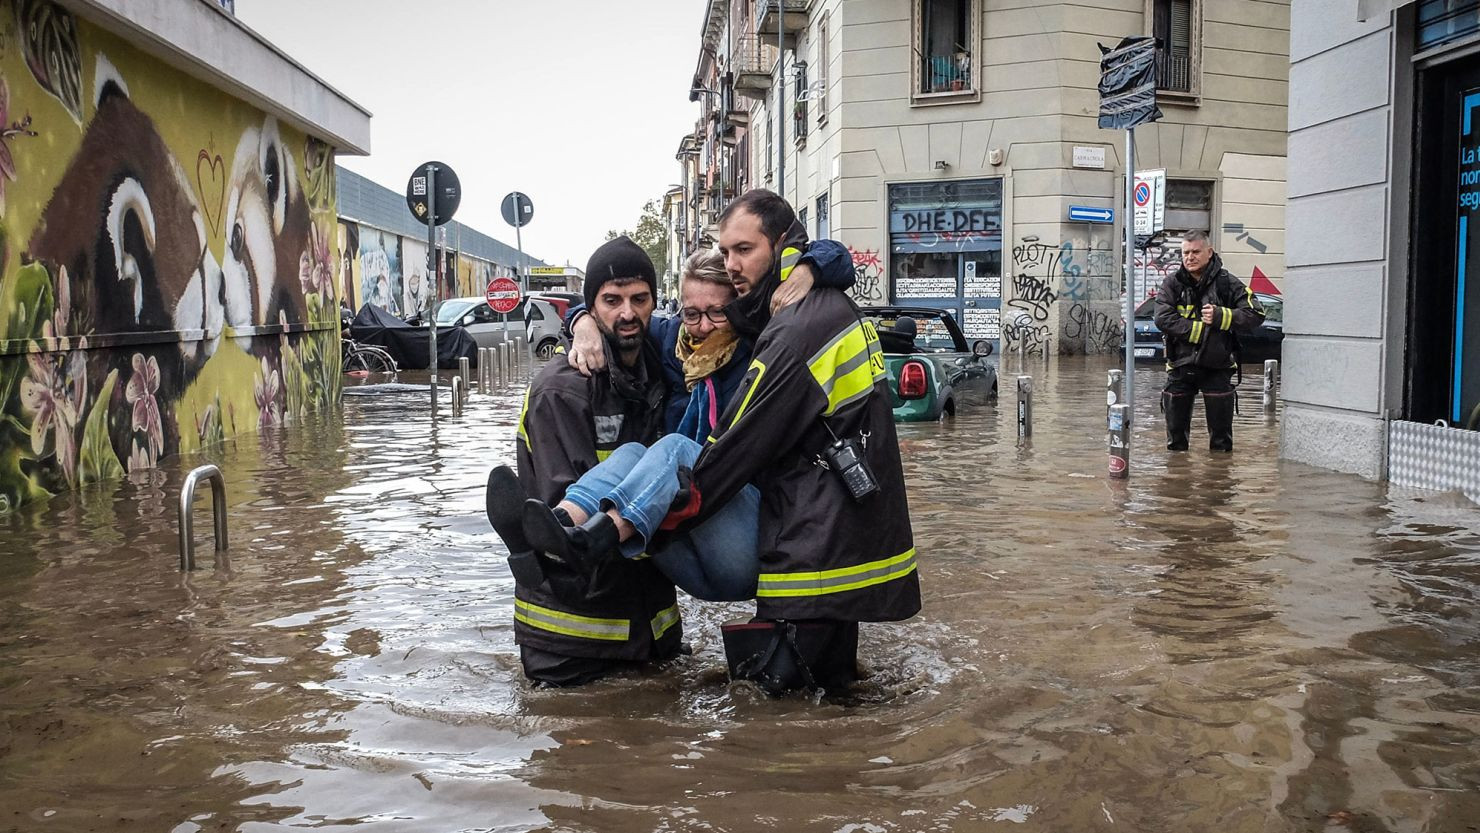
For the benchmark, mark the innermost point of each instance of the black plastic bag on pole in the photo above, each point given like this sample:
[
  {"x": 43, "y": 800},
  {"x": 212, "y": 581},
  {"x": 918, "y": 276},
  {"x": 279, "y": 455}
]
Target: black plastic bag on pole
[{"x": 1128, "y": 84}]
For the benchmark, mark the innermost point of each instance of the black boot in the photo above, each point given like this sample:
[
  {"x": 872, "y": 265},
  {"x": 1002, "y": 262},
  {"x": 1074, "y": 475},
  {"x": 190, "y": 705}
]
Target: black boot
[
  {"x": 504, "y": 503},
  {"x": 1220, "y": 420},
  {"x": 580, "y": 547},
  {"x": 1177, "y": 408}
]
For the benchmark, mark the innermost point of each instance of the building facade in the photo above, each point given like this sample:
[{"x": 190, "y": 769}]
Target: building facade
[
  {"x": 1382, "y": 343},
  {"x": 944, "y": 141},
  {"x": 166, "y": 257}
]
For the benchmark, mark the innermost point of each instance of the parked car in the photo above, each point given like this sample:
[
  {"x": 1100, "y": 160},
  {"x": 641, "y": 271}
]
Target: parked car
[
  {"x": 1254, "y": 348},
  {"x": 934, "y": 372},
  {"x": 543, "y": 314},
  {"x": 473, "y": 314}
]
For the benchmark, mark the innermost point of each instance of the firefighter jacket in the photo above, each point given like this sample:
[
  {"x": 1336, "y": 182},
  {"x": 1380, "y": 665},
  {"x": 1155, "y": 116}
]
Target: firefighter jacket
[
  {"x": 817, "y": 372},
  {"x": 1179, "y": 306},
  {"x": 569, "y": 423}
]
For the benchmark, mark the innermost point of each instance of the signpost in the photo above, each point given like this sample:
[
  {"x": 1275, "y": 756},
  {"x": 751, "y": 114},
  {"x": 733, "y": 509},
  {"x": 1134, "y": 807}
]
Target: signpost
[
  {"x": 433, "y": 195},
  {"x": 1128, "y": 99},
  {"x": 518, "y": 211}
]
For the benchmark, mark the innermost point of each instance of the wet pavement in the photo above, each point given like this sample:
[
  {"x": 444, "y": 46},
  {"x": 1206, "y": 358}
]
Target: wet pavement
[{"x": 1219, "y": 644}]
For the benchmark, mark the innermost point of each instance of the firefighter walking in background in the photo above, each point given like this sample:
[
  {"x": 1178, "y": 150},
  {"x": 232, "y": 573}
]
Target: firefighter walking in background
[{"x": 1199, "y": 310}]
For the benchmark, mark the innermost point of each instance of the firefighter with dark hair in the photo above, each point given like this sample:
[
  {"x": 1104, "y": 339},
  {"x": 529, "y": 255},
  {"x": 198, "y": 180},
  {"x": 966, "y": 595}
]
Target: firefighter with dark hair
[
  {"x": 1199, "y": 310},
  {"x": 812, "y": 427}
]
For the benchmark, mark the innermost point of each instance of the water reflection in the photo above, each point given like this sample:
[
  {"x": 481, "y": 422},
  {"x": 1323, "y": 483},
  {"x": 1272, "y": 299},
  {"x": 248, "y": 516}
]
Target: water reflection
[{"x": 1220, "y": 643}]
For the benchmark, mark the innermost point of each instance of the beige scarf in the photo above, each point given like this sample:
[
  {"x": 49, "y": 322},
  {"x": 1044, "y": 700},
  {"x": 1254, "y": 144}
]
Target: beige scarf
[{"x": 700, "y": 359}]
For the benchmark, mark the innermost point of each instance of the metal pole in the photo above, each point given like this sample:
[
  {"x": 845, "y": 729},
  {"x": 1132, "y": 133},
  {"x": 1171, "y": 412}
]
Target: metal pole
[
  {"x": 434, "y": 271},
  {"x": 519, "y": 244},
  {"x": 1025, "y": 406},
  {"x": 1130, "y": 282},
  {"x": 1120, "y": 441},
  {"x": 1114, "y": 390},
  {"x": 218, "y": 512},
  {"x": 1271, "y": 379},
  {"x": 464, "y": 373},
  {"x": 781, "y": 97}
]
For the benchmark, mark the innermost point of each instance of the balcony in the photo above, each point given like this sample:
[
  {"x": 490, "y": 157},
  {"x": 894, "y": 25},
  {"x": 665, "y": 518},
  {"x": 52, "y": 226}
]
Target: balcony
[
  {"x": 751, "y": 63},
  {"x": 1173, "y": 71},
  {"x": 768, "y": 14}
]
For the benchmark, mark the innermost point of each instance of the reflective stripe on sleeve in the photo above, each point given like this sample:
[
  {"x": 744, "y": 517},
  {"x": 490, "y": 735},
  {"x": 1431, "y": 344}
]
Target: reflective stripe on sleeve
[
  {"x": 755, "y": 382},
  {"x": 1197, "y": 330},
  {"x": 1227, "y": 318},
  {"x": 569, "y": 624},
  {"x": 602, "y": 454},
  {"x": 789, "y": 258},
  {"x": 523, "y": 412},
  {"x": 848, "y": 366},
  {"x": 665, "y": 619},
  {"x": 776, "y": 585}
]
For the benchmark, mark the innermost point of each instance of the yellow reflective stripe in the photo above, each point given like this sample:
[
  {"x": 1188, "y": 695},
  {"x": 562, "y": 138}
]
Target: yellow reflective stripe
[
  {"x": 789, "y": 258},
  {"x": 663, "y": 621},
  {"x": 569, "y": 624},
  {"x": 848, "y": 366},
  {"x": 1185, "y": 310},
  {"x": 1196, "y": 335},
  {"x": 523, "y": 411},
  {"x": 1227, "y": 317},
  {"x": 776, "y": 585},
  {"x": 760, "y": 370},
  {"x": 602, "y": 455}
]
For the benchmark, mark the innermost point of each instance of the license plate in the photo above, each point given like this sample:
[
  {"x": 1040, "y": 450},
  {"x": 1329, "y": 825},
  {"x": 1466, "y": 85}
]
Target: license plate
[{"x": 1145, "y": 352}]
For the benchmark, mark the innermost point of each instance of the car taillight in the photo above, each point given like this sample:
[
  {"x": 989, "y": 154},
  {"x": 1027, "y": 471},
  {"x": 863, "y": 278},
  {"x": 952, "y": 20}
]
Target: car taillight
[{"x": 912, "y": 380}]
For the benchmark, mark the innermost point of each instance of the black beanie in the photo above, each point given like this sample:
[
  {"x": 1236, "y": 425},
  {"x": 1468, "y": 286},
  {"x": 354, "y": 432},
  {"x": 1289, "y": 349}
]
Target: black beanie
[{"x": 615, "y": 260}]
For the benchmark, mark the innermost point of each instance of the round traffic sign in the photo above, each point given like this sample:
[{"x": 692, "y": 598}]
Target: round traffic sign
[
  {"x": 517, "y": 209},
  {"x": 449, "y": 192},
  {"x": 1143, "y": 193},
  {"x": 503, "y": 295}
]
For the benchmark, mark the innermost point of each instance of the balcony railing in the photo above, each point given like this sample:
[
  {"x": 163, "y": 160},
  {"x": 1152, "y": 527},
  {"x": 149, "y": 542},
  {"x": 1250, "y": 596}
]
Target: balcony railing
[
  {"x": 766, "y": 22},
  {"x": 946, "y": 73},
  {"x": 1173, "y": 71},
  {"x": 751, "y": 63}
]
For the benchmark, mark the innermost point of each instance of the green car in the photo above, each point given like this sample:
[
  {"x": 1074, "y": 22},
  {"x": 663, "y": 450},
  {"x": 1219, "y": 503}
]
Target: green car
[{"x": 932, "y": 371}]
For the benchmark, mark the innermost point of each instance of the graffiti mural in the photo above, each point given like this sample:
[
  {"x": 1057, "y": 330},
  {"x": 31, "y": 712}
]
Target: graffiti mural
[
  {"x": 380, "y": 269},
  {"x": 414, "y": 284},
  {"x": 348, "y": 258},
  {"x": 167, "y": 274},
  {"x": 869, "y": 269}
]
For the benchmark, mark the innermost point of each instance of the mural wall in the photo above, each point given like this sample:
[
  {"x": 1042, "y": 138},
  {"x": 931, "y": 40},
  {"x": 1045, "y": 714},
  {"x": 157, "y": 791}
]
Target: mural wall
[
  {"x": 390, "y": 271},
  {"x": 167, "y": 260}
]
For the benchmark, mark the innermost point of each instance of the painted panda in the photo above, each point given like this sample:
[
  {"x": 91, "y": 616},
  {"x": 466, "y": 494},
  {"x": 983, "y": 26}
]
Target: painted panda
[
  {"x": 126, "y": 225},
  {"x": 267, "y": 231}
]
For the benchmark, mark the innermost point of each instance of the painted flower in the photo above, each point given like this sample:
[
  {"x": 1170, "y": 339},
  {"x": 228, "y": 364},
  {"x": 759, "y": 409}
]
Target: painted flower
[
  {"x": 140, "y": 393},
  {"x": 267, "y": 389},
  {"x": 140, "y": 459},
  {"x": 8, "y": 131},
  {"x": 316, "y": 264},
  {"x": 54, "y": 331},
  {"x": 54, "y": 394}
]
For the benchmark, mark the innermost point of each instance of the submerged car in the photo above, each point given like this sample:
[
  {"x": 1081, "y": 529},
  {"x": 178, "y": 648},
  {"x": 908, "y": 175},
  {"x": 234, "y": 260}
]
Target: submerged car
[
  {"x": 932, "y": 370},
  {"x": 1254, "y": 347}
]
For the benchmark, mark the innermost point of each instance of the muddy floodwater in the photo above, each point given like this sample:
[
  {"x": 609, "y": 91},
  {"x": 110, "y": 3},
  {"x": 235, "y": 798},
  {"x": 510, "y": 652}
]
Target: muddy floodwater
[{"x": 1219, "y": 644}]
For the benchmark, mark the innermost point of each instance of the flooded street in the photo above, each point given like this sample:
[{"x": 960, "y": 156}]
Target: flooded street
[{"x": 1218, "y": 644}]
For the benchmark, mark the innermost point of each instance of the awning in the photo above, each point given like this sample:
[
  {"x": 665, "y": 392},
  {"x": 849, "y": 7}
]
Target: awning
[{"x": 1368, "y": 9}]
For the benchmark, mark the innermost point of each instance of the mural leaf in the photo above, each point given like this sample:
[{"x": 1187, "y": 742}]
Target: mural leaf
[
  {"x": 25, "y": 305},
  {"x": 16, "y": 487},
  {"x": 49, "y": 37},
  {"x": 97, "y": 460}
]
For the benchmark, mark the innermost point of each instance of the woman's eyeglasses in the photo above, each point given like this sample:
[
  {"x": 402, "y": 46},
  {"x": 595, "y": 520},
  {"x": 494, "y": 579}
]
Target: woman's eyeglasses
[{"x": 692, "y": 316}]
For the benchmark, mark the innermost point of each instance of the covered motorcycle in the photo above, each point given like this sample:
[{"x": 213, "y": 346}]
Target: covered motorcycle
[{"x": 408, "y": 344}]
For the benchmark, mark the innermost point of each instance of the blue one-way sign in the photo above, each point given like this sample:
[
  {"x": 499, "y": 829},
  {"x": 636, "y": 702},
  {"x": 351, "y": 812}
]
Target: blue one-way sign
[{"x": 1086, "y": 214}]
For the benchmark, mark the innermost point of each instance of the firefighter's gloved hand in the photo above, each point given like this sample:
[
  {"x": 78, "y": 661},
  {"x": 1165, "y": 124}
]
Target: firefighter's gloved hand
[{"x": 685, "y": 504}]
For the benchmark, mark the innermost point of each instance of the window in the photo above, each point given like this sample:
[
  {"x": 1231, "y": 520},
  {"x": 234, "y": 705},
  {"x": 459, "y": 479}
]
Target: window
[
  {"x": 944, "y": 41},
  {"x": 822, "y": 220},
  {"x": 1442, "y": 21},
  {"x": 1189, "y": 205},
  {"x": 770, "y": 132},
  {"x": 799, "y": 104},
  {"x": 822, "y": 58},
  {"x": 802, "y": 218},
  {"x": 1177, "y": 25}
]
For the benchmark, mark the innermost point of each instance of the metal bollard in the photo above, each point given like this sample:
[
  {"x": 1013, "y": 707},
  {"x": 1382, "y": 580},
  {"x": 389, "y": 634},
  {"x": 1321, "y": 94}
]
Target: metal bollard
[
  {"x": 503, "y": 363},
  {"x": 458, "y": 393},
  {"x": 218, "y": 512},
  {"x": 1025, "y": 406},
  {"x": 1271, "y": 379},
  {"x": 464, "y": 372},
  {"x": 1114, "y": 390},
  {"x": 485, "y": 384},
  {"x": 1120, "y": 441}
]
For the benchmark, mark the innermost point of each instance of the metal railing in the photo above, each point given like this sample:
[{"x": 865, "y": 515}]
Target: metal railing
[
  {"x": 218, "y": 511},
  {"x": 945, "y": 73},
  {"x": 1173, "y": 71}
]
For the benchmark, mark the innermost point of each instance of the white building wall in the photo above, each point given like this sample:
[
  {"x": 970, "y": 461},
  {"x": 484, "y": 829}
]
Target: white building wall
[{"x": 1342, "y": 266}]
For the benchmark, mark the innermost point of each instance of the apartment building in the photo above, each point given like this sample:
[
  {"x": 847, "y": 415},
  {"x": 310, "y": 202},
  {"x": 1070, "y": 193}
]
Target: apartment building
[
  {"x": 944, "y": 141},
  {"x": 1383, "y": 341}
]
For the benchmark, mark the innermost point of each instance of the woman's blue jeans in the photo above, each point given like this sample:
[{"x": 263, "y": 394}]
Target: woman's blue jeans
[{"x": 717, "y": 560}]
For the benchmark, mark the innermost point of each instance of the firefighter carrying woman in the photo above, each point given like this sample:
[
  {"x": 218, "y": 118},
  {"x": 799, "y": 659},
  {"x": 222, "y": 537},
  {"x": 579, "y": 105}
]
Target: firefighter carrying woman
[{"x": 777, "y": 477}]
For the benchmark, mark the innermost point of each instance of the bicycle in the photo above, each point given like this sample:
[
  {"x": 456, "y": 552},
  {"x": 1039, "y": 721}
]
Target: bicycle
[{"x": 365, "y": 358}]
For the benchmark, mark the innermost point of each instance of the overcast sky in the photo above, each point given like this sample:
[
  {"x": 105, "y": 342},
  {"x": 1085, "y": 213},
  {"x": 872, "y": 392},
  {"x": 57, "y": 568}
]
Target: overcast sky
[{"x": 578, "y": 103}]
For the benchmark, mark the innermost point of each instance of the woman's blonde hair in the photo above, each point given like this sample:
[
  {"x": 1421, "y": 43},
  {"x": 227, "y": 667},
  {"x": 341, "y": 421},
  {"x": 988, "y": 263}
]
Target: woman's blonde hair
[{"x": 707, "y": 265}]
